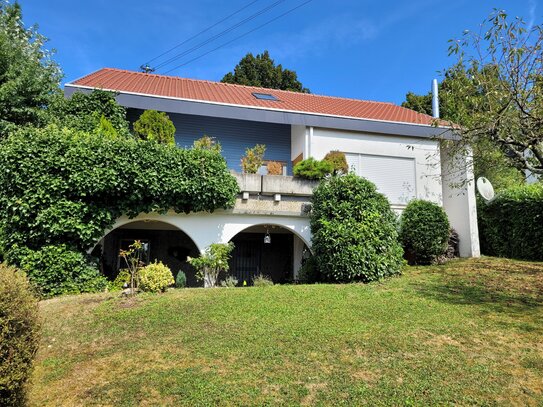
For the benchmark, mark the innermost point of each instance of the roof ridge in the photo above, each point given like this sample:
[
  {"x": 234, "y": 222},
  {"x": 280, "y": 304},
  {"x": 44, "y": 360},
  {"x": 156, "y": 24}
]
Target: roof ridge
[{"x": 235, "y": 85}]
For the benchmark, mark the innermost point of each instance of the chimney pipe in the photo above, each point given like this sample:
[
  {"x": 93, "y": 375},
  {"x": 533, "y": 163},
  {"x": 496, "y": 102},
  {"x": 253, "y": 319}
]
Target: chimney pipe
[{"x": 435, "y": 99}]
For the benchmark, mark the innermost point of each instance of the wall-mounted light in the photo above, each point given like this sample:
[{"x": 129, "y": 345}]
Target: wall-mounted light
[{"x": 267, "y": 237}]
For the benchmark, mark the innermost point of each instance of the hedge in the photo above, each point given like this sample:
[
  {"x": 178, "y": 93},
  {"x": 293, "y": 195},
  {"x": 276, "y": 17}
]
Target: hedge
[{"x": 511, "y": 224}]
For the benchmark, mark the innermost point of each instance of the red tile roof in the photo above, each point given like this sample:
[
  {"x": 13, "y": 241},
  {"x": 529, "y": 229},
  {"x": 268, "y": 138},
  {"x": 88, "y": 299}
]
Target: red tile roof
[{"x": 207, "y": 91}]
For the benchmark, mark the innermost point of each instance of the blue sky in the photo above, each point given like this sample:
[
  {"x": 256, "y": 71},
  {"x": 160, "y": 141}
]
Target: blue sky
[{"x": 365, "y": 49}]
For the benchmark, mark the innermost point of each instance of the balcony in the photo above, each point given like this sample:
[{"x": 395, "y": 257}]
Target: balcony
[{"x": 270, "y": 185}]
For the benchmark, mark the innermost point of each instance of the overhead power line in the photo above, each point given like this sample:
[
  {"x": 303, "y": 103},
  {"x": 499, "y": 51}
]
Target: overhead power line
[
  {"x": 201, "y": 32},
  {"x": 239, "y": 37},
  {"x": 222, "y": 33}
]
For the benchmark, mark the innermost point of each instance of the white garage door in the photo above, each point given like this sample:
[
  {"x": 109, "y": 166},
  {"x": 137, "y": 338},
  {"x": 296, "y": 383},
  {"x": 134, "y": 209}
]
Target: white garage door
[{"x": 393, "y": 176}]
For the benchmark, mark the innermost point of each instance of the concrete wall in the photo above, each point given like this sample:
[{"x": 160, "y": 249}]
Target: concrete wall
[{"x": 425, "y": 152}]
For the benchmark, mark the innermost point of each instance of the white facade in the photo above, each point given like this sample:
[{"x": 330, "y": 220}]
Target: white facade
[
  {"x": 402, "y": 168},
  {"x": 394, "y": 153}
]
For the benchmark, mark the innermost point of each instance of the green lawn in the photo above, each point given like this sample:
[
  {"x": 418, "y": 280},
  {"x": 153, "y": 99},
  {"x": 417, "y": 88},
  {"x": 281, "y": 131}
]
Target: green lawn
[{"x": 469, "y": 332}]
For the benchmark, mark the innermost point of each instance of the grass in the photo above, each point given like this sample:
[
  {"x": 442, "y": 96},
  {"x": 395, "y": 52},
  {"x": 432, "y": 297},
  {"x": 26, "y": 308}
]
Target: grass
[{"x": 469, "y": 333}]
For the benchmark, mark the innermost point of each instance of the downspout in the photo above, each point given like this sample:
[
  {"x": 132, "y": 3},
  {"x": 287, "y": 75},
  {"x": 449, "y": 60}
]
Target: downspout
[{"x": 435, "y": 99}]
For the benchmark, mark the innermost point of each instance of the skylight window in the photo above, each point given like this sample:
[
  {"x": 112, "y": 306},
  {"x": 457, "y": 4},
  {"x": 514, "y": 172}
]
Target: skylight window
[{"x": 264, "y": 96}]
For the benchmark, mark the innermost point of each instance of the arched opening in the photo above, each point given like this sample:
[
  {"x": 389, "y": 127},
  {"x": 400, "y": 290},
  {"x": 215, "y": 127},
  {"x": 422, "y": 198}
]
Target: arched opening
[
  {"x": 162, "y": 241},
  {"x": 269, "y": 250}
]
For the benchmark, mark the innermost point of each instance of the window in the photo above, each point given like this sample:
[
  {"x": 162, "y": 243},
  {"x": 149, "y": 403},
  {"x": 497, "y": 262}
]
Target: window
[
  {"x": 264, "y": 96},
  {"x": 393, "y": 176}
]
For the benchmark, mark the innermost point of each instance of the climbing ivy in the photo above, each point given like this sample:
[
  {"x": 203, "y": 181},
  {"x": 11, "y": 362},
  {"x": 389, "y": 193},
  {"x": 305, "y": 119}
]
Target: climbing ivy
[{"x": 66, "y": 187}]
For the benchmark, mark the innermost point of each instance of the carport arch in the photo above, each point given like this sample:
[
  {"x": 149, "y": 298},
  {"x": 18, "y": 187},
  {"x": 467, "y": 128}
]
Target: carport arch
[
  {"x": 295, "y": 229},
  {"x": 281, "y": 260},
  {"x": 168, "y": 243}
]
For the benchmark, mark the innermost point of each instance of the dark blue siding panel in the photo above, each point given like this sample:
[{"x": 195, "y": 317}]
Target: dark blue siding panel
[{"x": 234, "y": 135}]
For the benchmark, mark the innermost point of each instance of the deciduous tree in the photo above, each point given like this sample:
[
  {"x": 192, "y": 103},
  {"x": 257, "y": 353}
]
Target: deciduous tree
[{"x": 29, "y": 77}]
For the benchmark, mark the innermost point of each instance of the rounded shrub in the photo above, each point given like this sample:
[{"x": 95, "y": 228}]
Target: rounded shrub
[
  {"x": 181, "y": 279},
  {"x": 155, "y": 277},
  {"x": 338, "y": 161},
  {"x": 424, "y": 231},
  {"x": 355, "y": 237},
  {"x": 19, "y": 335},
  {"x": 155, "y": 126},
  {"x": 313, "y": 169}
]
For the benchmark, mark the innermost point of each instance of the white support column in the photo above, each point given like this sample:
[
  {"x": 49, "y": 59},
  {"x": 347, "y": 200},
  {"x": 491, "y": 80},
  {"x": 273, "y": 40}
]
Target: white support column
[
  {"x": 306, "y": 143},
  {"x": 309, "y": 141},
  {"x": 298, "y": 251},
  {"x": 459, "y": 200}
]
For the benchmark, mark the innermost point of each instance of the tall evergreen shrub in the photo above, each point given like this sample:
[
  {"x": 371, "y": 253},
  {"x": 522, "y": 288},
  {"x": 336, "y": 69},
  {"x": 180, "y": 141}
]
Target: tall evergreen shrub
[{"x": 354, "y": 231}]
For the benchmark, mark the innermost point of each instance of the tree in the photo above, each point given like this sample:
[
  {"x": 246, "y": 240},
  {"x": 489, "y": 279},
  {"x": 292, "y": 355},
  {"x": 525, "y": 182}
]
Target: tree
[
  {"x": 261, "y": 71},
  {"x": 490, "y": 160},
  {"x": 505, "y": 65},
  {"x": 155, "y": 126},
  {"x": 28, "y": 75}
]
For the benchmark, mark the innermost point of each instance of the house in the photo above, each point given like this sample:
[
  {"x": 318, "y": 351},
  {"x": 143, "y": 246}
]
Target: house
[{"x": 396, "y": 148}]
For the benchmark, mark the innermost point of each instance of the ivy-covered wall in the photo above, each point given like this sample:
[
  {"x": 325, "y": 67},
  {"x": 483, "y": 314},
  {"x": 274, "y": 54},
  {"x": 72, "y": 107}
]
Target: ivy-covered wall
[{"x": 62, "y": 189}]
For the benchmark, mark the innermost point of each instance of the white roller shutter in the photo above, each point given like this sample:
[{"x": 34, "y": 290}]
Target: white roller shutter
[{"x": 393, "y": 176}]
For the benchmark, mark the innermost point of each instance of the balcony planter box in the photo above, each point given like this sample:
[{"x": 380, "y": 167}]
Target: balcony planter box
[
  {"x": 286, "y": 185},
  {"x": 249, "y": 182}
]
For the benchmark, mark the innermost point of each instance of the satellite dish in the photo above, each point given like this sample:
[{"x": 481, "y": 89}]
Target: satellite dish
[{"x": 485, "y": 188}]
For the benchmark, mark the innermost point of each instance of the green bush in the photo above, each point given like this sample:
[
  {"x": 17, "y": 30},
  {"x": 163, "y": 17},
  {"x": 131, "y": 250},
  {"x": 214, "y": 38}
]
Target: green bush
[
  {"x": 424, "y": 231},
  {"x": 230, "y": 282},
  {"x": 181, "y": 279},
  {"x": 253, "y": 159},
  {"x": 309, "y": 272},
  {"x": 155, "y": 277},
  {"x": 262, "y": 281},
  {"x": 312, "y": 169},
  {"x": 338, "y": 161},
  {"x": 354, "y": 230},
  {"x": 56, "y": 270},
  {"x": 510, "y": 225},
  {"x": 19, "y": 335},
  {"x": 122, "y": 278},
  {"x": 90, "y": 112},
  {"x": 207, "y": 143},
  {"x": 60, "y": 187},
  {"x": 155, "y": 126},
  {"x": 212, "y": 262}
]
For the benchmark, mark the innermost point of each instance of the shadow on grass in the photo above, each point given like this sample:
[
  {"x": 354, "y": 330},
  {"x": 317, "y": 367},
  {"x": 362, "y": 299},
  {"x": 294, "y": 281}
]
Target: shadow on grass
[{"x": 494, "y": 285}]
